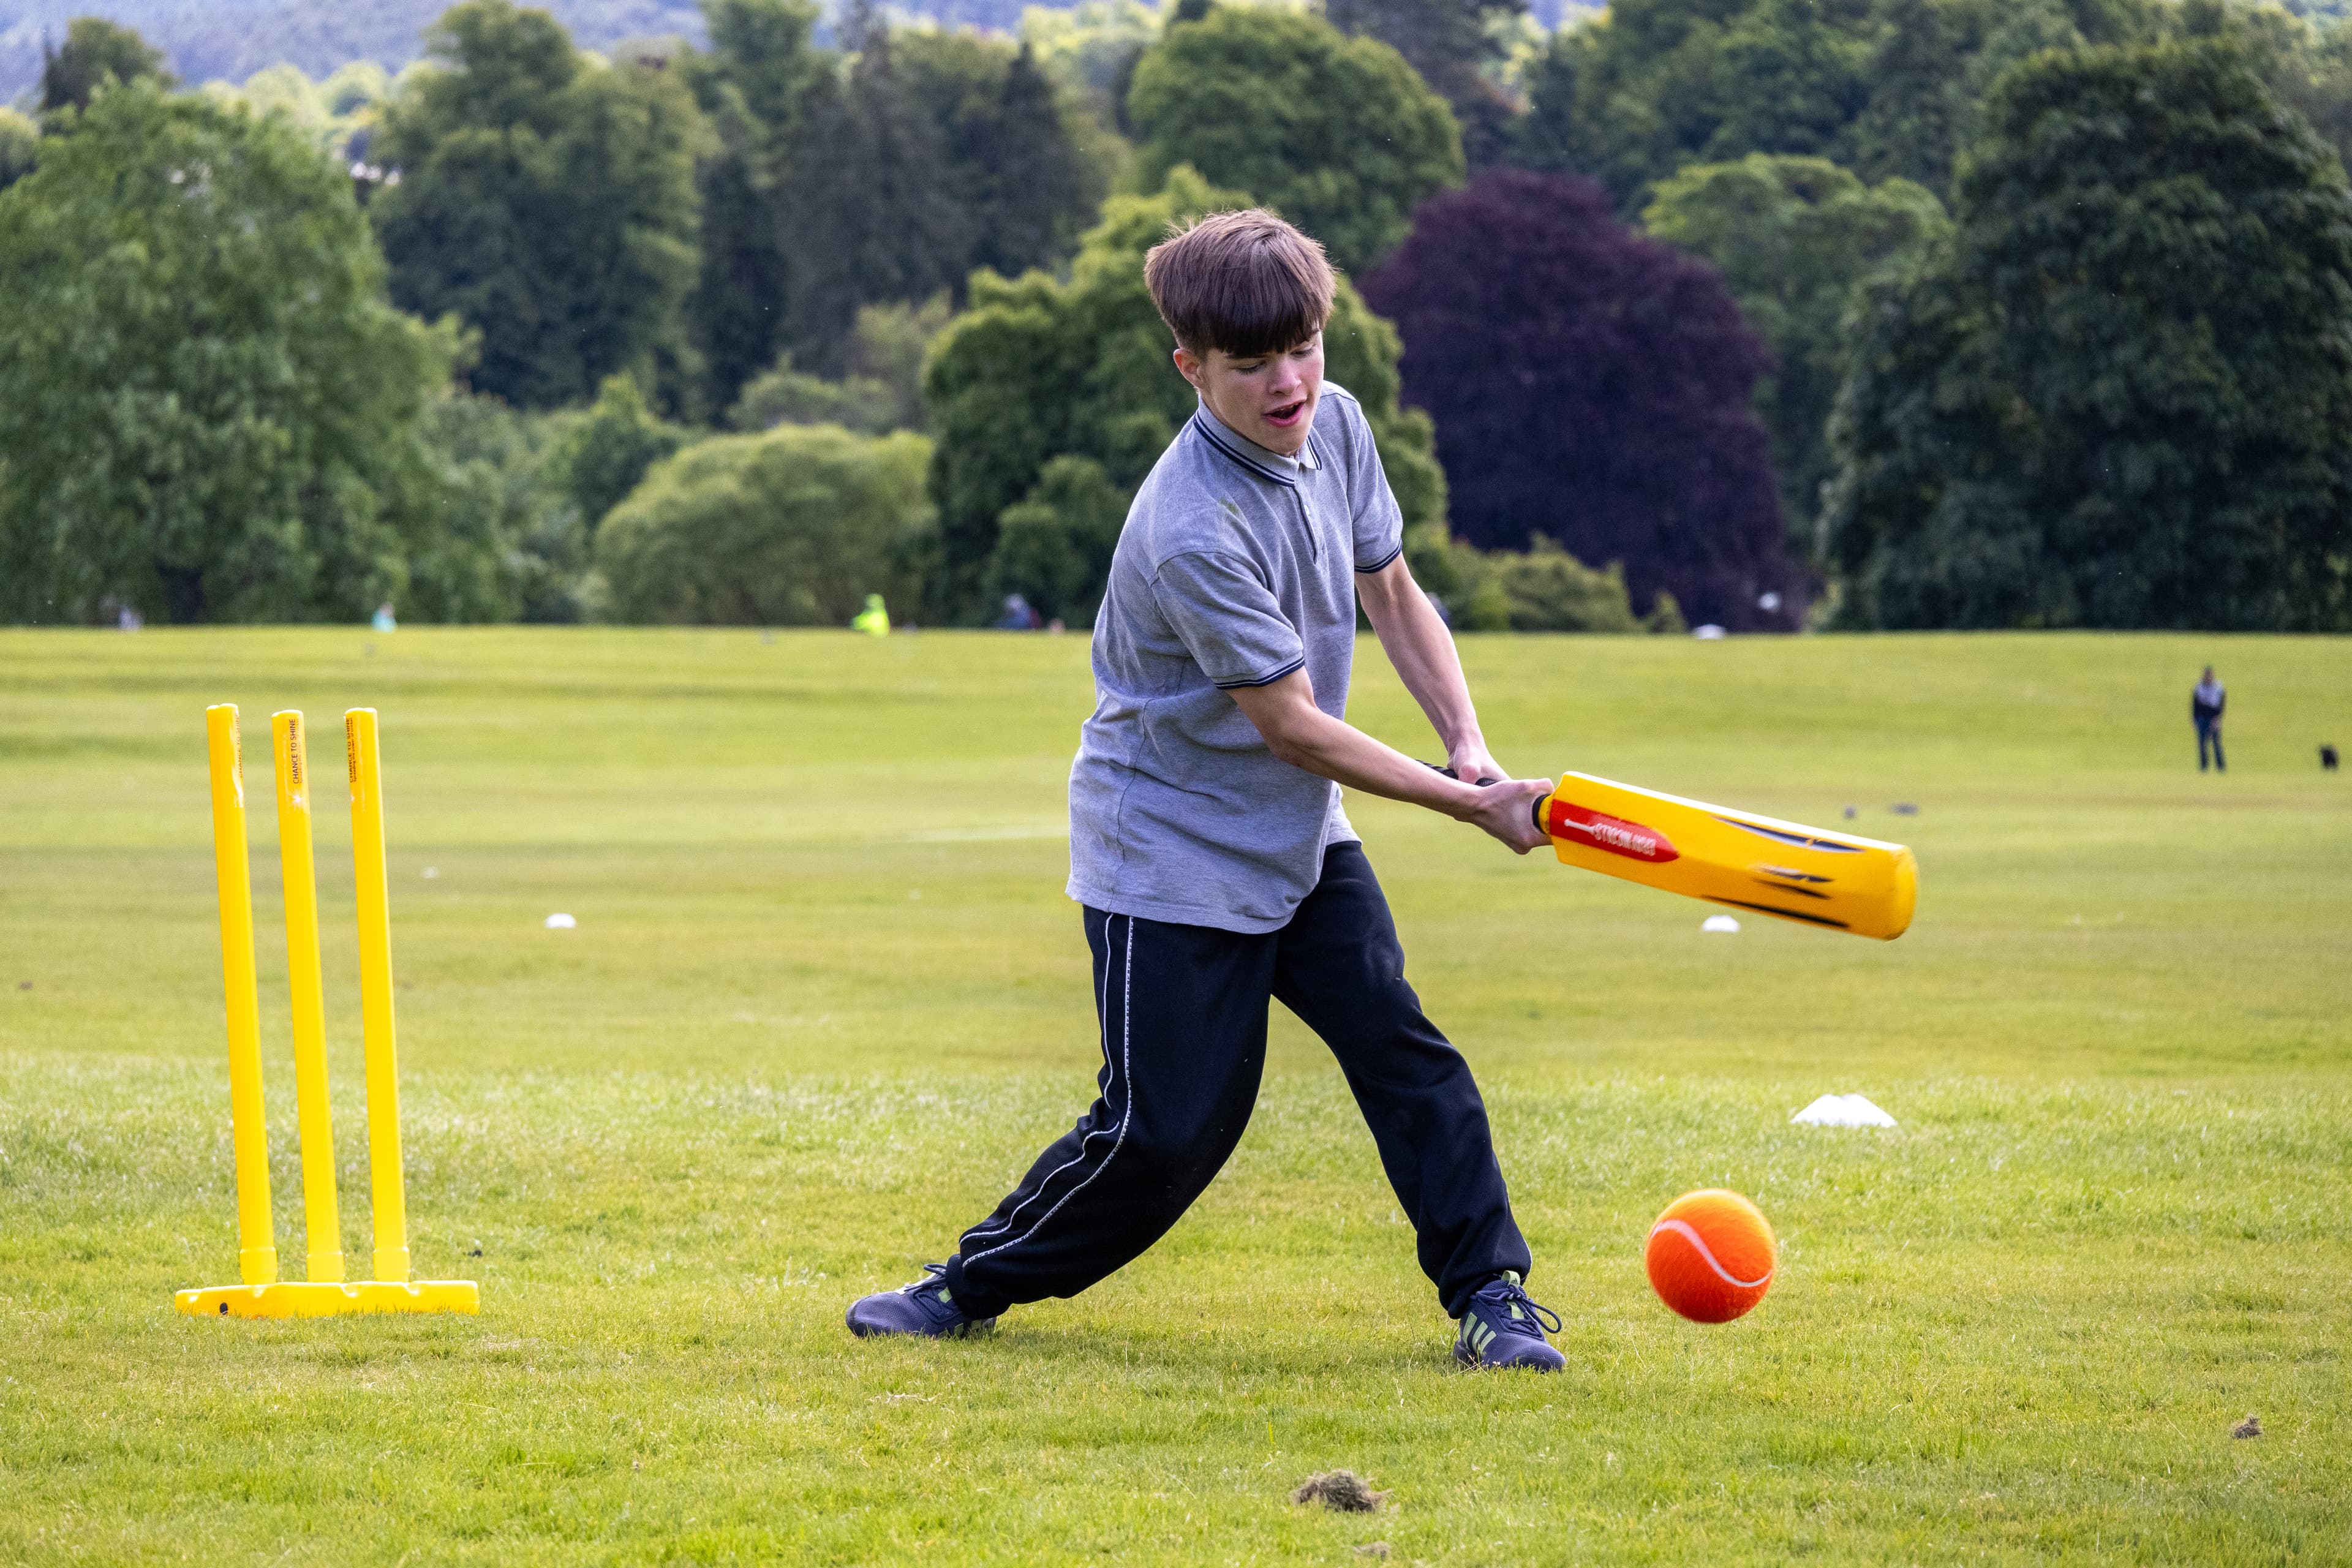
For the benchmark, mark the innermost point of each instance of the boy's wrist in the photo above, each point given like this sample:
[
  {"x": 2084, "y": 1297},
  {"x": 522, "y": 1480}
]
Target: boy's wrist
[
  {"x": 1468, "y": 740},
  {"x": 1463, "y": 800}
]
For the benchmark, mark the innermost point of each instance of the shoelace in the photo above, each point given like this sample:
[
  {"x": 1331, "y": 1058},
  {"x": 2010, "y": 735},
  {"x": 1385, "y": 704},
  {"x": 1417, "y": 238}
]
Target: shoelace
[
  {"x": 1513, "y": 1294},
  {"x": 934, "y": 1278}
]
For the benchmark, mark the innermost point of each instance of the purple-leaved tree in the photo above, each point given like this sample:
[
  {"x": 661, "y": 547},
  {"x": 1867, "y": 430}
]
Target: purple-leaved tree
[{"x": 1593, "y": 385}]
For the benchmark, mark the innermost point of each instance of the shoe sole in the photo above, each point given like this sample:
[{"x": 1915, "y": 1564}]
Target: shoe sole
[
  {"x": 1470, "y": 1358},
  {"x": 979, "y": 1329}
]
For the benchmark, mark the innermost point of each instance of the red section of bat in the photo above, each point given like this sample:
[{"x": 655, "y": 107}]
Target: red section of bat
[{"x": 1614, "y": 834}]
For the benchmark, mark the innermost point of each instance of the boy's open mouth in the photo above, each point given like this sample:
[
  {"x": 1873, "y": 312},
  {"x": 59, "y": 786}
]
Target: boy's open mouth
[{"x": 1288, "y": 414}]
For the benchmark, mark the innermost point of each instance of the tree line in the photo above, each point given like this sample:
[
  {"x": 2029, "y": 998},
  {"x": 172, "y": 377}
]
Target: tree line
[{"x": 1762, "y": 312}]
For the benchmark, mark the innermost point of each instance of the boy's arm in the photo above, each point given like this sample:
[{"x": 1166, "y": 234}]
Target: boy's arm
[
  {"x": 1305, "y": 736},
  {"x": 1421, "y": 649},
  {"x": 1311, "y": 739},
  {"x": 1219, "y": 604}
]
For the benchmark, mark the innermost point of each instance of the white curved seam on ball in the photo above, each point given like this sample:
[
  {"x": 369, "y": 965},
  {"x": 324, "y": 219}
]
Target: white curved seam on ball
[{"x": 1682, "y": 1227}]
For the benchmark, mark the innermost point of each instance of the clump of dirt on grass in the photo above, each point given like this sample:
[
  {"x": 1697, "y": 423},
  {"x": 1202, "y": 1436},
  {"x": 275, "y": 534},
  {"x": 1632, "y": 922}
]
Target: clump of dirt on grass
[
  {"x": 2252, "y": 1427},
  {"x": 1343, "y": 1491}
]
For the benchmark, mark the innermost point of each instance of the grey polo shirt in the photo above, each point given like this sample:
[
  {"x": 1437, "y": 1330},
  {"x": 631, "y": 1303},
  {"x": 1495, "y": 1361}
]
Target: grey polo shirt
[{"x": 1237, "y": 566}]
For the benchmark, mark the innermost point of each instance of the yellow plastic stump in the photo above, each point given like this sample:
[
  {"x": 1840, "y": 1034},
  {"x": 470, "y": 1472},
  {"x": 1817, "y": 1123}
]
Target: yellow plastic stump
[
  {"x": 321, "y": 1223},
  {"x": 256, "y": 1247},
  {"x": 386, "y": 1191}
]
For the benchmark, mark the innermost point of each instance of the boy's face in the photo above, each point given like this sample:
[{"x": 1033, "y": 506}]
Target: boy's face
[{"x": 1270, "y": 398}]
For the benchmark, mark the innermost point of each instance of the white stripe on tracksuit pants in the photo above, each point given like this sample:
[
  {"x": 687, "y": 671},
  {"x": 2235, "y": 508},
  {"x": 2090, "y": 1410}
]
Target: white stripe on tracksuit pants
[{"x": 1182, "y": 1011}]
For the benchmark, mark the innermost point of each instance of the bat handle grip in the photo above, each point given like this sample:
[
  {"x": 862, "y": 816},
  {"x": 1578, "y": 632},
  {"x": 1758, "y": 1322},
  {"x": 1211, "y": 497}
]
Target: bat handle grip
[{"x": 1537, "y": 812}]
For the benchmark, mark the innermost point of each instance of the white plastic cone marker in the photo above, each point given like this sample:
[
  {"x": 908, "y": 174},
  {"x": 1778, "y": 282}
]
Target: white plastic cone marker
[
  {"x": 1720, "y": 922},
  {"x": 1842, "y": 1110},
  {"x": 560, "y": 922}
]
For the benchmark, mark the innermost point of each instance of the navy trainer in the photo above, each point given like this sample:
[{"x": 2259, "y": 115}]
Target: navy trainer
[
  {"x": 923, "y": 1308},
  {"x": 1501, "y": 1327}
]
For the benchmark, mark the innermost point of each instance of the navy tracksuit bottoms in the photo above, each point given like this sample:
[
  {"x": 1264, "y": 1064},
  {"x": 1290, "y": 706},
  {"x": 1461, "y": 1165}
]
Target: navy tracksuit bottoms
[{"x": 1183, "y": 1016}]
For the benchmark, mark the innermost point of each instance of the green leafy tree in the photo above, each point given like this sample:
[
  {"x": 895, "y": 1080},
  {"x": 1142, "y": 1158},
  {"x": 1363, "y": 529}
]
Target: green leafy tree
[
  {"x": 20, "y": 147},
  {"x": 882, "y": 391},
  {"x": 875, "y": 212},
  {"x": 2118, "y": 396},
  {"x": 884, "y": 178},
  {"x": 2023, "y": 29},
  {"x": 1789, "y": 79},
  {"x": 1658, "y": 84},
  {"x": 1918, "y": 104},
  {"x": 931, "y": 154},
  {"x": 1791, "y": 238},
  {"x": 1629, "y": 98},
  {"x": 604, "y": 452},
  {"x": 783, "y": 396},
  {"x": 548, "y": 202},
  {"x": 1040, "y": 188},
  {"x": 2307, "y": 69},
  {"x": 761, "y": 58},
  {"x": 1889, "y": 86},
  {"x": 1054, "y": 546},
  {"x": 1336, "y": 133},
  {"x": 511, "y": 545},
  {"x": 1452, "y": 43},
  {"x": 1039, "y": 369},
  {"x": 520, "y": 495},
  {"x": 791, "y": 527},
  {"x": 1542, "y": 588},
  {"x": 1022, "y": 156},
  {"x": 97, "y": 54},
  {"x": 1997, "y": 33},
  {"x": 1092, "y": 47},
  {"x": 1550, "y": 135},
  {"x": 750, "y": 84},
  {"x": 212, "y": 411},
  {"x": 332, "y": 113}
]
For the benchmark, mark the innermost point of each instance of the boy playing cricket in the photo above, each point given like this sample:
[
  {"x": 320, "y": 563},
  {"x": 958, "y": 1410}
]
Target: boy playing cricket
[{"x": 1207, "y": 843}]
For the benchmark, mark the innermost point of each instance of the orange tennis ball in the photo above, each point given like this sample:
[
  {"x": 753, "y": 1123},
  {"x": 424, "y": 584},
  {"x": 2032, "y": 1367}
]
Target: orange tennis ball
[{"x": 1711, "y": 1256}]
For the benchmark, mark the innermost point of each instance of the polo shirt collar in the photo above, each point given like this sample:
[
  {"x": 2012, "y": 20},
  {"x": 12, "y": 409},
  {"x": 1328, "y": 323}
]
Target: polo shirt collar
[{"x": 1274, "y": 465}]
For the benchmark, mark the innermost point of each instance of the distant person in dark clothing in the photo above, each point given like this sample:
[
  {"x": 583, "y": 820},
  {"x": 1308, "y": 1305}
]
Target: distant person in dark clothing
[{"x": 2205, "y": 705}]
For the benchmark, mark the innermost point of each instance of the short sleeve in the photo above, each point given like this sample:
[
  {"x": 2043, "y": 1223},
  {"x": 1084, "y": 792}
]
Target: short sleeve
[
  {"x": 1378, "y": 522},
  {"x": 1223, "y": 608}
]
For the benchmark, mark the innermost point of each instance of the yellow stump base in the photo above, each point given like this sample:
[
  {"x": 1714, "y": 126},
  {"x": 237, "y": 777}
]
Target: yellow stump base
[{"x": 305, "y": 1299}]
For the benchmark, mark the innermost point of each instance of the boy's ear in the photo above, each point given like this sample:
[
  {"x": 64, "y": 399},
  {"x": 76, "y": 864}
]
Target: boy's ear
[{"x": 1189, "y": 366}]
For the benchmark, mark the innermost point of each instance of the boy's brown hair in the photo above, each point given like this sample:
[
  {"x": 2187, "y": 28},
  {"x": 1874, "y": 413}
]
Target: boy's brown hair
[{"x": 1245, "y": 282}]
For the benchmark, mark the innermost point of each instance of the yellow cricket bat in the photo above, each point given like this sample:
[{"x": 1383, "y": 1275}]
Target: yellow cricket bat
[{"x": 1833, "y": 881}]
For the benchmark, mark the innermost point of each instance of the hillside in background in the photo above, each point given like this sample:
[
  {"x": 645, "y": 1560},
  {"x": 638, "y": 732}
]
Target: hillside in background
[
  {"x": 229, "y": 40},
  {"x": 211, "y": 40}
]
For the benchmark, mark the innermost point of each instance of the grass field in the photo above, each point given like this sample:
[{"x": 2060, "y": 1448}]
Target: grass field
[{"x": 826, "y": 1000}]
